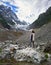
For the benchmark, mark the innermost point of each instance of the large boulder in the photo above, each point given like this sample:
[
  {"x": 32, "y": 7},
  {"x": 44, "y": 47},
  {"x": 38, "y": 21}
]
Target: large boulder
[{"x": 29, "y": 54}]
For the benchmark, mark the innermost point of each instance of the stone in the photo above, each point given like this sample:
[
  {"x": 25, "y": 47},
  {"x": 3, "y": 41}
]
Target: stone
[
  {"x": 29, "y": 55},
  {"x": 48, "y": 48}
]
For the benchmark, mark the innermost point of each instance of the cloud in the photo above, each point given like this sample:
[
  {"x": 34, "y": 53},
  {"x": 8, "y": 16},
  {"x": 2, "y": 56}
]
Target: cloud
[
  {"x": 13, "y": 7},
  {"x": 9, "y": 4},
  {"x": 29, "y": 10}
]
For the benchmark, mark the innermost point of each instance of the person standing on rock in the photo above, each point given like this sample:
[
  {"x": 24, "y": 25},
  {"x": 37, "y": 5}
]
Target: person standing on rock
[{"x": 32, "y": 38}]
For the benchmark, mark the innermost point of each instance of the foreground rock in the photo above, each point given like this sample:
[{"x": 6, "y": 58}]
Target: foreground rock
[
  {"x": 8, "y": 51},
  {"x": 23, "y": 54},
  {"x": 30, "y": 55}
]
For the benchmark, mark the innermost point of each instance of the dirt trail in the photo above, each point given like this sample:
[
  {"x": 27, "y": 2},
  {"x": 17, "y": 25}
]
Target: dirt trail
[{"x": 24, "y": 39}]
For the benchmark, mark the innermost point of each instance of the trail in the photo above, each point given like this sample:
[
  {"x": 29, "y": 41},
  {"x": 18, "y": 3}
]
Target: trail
[{"x": 24, "y": 40}]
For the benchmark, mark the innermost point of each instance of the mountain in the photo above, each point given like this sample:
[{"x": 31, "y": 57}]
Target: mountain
[
  {"x": 42, "y": 19},
  {"x": 8, "y": 24},
  {"x": 42, "y": 27},
  {"x": 43, "y": 35},
  {"x": 8, "y": 18}
]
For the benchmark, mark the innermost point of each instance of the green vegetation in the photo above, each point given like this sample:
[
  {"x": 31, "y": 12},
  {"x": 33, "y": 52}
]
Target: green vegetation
[
  {"x": 0, "y": 50},
  {"x": 46, "y": 55}
]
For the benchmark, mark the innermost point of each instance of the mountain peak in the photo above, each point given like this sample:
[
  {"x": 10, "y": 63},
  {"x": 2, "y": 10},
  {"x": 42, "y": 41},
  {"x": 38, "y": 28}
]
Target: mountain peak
[{"x": 8, "y": 18}]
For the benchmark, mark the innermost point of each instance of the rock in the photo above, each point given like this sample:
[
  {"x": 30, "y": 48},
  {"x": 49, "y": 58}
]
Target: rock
[
  {"x": 48, "y": 57},
  {"x": 2, "y": 44},
  {"x": 29, "y": 55},
  {"x": 8, "y": 51},
  {"x": 14, "y": 46},
  {"x": 3, "y": 54},
  {"x": 22, "y": 54},
  {"x": 48, "y": 48}
]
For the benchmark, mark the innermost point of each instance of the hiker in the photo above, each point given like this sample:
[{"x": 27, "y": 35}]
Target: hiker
[{"x": 32, "y": 38}]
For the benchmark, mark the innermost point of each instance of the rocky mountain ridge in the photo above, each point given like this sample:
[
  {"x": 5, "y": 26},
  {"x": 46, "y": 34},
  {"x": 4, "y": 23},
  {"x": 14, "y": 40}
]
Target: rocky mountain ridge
[
  {"x": 8, "y": 18},
  {"x": 42, "y": 19}
]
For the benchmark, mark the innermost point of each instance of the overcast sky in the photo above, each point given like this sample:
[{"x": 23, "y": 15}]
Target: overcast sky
[{"x": 27, "y": 10}]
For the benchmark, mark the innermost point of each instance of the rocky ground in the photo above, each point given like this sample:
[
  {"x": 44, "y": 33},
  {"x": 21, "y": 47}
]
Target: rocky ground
[{"x": 20, "y": 50}]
